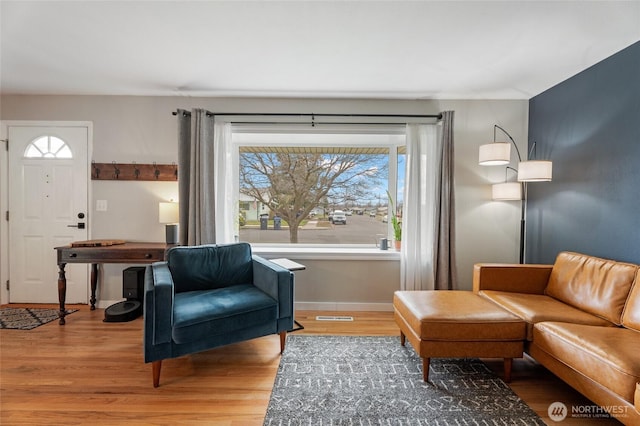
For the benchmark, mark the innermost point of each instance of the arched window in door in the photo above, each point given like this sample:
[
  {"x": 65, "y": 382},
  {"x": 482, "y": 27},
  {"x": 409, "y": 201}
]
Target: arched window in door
[{"x": 48, "y": 147}]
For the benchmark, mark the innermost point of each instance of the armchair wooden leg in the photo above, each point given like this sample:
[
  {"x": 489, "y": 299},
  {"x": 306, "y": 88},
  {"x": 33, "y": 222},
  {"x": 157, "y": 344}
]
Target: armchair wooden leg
[
  {"x": 156, "y": 365},
  {"x": 403, "y": 338},
  {"x": 283, "y": 340}
]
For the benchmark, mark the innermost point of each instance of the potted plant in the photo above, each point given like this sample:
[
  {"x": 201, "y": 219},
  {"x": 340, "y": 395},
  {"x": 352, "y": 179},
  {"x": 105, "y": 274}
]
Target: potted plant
[{"x": 397, "y": 226}]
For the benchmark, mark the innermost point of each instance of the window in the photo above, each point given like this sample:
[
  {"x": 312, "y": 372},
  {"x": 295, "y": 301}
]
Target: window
[
  {"x": 292, "y": 185},
  {"x": 48, "y": 147}
]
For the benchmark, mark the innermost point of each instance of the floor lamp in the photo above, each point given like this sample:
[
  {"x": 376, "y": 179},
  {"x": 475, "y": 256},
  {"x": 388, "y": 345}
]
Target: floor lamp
[
  {"x": 513, "y": 191},
  {"x": 499, "y": 154}
]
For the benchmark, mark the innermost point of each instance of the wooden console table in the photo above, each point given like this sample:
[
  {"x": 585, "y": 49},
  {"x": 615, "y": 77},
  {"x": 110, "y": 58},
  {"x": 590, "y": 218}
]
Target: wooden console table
[{"x": 128, "y": 252}]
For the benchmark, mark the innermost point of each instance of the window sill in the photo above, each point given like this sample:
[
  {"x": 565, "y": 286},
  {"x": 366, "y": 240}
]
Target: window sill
[{"x": 325, "y": 253}]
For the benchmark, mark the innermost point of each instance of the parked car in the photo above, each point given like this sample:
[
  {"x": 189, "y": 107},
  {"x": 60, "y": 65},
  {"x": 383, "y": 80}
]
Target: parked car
[
  {"x": 385, "y": 218},
  {"x": 348, "y": 212},
  {"x": 372, "y": 213},
  {"x": 339, "y": 217}
]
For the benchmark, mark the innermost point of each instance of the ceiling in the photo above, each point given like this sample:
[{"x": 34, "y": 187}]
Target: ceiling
[{"x": 310, "y": 49}]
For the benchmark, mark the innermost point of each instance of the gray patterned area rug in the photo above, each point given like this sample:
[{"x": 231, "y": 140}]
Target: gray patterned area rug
[
  {"x": 27, "y": 318},
  {"x": 355, "y": 380}
]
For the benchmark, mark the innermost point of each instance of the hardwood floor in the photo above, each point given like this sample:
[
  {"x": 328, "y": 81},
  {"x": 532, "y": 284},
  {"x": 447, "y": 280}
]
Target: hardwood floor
[{"x": 92, "y": 372}]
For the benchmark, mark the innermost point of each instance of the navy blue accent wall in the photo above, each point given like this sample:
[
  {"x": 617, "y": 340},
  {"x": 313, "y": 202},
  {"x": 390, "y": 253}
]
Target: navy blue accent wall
[{"x": 589, "y": 126}]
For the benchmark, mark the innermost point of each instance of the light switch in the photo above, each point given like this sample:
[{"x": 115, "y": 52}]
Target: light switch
[{"x": 101, "y": 205}]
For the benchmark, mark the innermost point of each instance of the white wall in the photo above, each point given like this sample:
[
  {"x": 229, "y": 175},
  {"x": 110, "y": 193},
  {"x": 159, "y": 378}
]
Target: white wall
[{"x": 142, "y": 129}]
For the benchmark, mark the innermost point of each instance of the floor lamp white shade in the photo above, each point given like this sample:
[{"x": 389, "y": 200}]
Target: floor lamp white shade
[
  {"x": 507, "y": 191},
  {"x": 535, "y": 171},
  {"x": 494, "y": 154},
  {"x": 168, "y": 213}
]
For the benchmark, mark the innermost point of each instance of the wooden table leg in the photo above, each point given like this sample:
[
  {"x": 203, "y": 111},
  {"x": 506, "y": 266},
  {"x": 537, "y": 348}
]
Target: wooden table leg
[
  {"x": 62, "y": 292},
  {"x": 94, "y": 285}
]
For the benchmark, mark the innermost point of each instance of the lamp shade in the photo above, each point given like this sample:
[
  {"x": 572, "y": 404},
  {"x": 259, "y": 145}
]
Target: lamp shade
[
  {"x": 494, "y": 154},
  {"x": 168, "y": 212},
  {"x": 507, "y": 191},
  {"x": 535, "y": 171}
]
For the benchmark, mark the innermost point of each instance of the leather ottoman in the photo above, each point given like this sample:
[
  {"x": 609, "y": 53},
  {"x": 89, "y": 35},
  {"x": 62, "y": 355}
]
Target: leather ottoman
[{"x": 457, "y": 324}]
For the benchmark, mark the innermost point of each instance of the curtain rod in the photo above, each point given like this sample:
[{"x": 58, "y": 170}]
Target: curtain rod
[
  {"x": 313, "y": 115},
  {"x": 313, "y": 123}
]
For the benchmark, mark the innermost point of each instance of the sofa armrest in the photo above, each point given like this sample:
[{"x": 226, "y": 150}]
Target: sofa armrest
[
  {"x": 158, "y": 303},
  {"x": 277, "y": 282},
  {"x": 520, "y": 278}
]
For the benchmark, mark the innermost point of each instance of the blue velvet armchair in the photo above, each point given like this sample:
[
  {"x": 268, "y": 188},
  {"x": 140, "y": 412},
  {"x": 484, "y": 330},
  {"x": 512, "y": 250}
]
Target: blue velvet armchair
[{"x": 207, "y": 296}]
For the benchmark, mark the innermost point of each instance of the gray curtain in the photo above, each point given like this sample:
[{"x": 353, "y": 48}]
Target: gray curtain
[
  {"x": 196, "y": 177},
  {"x": 427, "y": 256},
  {"x": 445, "y": 259}
]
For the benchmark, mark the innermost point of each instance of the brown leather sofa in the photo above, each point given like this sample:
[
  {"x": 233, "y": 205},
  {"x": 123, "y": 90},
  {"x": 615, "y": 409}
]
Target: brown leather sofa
[{"x": 583, "y": 324}]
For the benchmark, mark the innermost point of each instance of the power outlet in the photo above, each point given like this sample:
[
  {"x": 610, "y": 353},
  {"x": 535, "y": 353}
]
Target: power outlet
[{"x": 101, "y": 205}]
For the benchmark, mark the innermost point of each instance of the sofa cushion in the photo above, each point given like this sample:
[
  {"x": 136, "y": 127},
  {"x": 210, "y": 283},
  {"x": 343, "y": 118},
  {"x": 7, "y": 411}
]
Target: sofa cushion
[
  {"x": 210, "y": 266},
  {"x": 534, "y": 308},
  {"x": 631, "y": 314},
  {"x": 608, "y": 355},
  {"x": 197, "y": 314},
  {"x": 594, "y": 285}
]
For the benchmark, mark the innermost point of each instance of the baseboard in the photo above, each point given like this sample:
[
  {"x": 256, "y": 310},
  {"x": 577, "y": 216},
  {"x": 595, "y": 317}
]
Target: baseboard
[{"x": 344, "y": 306}]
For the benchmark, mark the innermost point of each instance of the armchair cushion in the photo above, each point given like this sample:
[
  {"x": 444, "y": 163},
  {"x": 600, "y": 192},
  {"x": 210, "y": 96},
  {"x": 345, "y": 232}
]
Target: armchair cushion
[
  {"x": 205, "y": 313},
  {"x": 210, "y": 266}
]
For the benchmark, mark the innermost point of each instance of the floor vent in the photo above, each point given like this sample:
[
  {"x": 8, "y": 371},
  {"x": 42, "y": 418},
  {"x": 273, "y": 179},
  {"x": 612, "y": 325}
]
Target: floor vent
[{"x": 333, "y": 318}]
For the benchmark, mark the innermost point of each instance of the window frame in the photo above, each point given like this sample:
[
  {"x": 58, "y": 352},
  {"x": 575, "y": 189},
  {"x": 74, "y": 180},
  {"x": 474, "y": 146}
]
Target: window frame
[{"x": 244, "y": 134}]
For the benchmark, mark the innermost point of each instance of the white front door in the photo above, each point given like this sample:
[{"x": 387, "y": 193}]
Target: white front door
[{"x": 48, "y": 207}]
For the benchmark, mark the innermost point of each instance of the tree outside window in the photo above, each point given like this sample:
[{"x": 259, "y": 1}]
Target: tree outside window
[{"x": 295, "y": 183}]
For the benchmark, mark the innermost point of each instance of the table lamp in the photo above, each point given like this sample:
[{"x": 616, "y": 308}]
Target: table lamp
[{"x": 168, "y": 214}]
